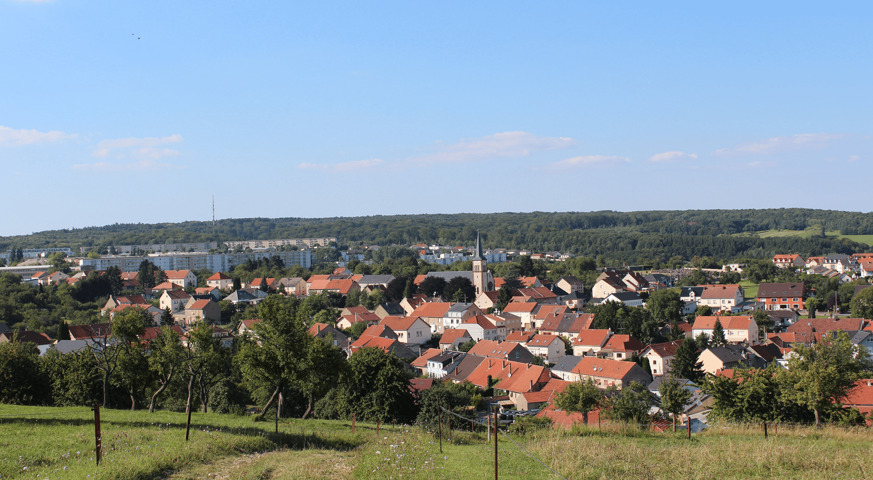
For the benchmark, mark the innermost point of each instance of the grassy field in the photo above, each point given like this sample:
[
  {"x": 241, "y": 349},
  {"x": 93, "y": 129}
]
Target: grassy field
[
  {"x": 58, "y": 443},
  {"x": 750, "y": 290},
  {"x": 807, "y": 233}
]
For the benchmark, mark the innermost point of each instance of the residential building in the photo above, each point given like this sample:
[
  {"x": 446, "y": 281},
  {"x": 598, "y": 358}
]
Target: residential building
[
  {"x": 781, "y": 296},
  {"x": 610, "y": 373}
]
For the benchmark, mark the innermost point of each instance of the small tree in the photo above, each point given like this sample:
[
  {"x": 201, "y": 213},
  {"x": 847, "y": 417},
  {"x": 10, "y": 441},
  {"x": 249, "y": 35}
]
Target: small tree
[
  {"x": 674, "y": 397},
  {"x": 685, "y": 364},
  {"x": 165, "y": 358},
  {"x": 862, "y": 304},
  {"x": 631, "y": 404},
  {"x": 718, "y": 338},
  {"x": 825, "y": 371},
  {"x": 581, "y": 397},
  {"x": 167, "y": 318}
]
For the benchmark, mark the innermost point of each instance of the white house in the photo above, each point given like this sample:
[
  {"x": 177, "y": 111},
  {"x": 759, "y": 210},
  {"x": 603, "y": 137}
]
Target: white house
[{"x": 549, "y": 347}]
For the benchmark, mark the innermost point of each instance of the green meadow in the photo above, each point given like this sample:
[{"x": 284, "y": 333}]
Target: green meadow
[{"x": 58, "y": 443}]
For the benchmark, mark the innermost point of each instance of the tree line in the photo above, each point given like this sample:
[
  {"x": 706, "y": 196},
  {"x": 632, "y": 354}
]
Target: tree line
[{"x": 624, "y": 237}]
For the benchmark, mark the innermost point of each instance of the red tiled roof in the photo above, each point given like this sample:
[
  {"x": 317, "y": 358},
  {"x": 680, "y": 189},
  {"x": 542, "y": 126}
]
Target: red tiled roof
[
  {"x": 450, "y": 335},
  {"x": 399, "y": 323},
  {"x": 519, "y": 337},
  {"x": 591, "y": 338},
  {"x": 582, "y": 322},
  {"x": 720, "y": 291},
  {"x": 199, "y": 304},
  {"x": 218, "y": 276},
  {"x": 432, "y": 310},
  {"x": 623, "y": 343},
  {"x": 521, "y": 307},
  {"x": 482, "y": 321},
  {"x": 490, "y": 348},
  {"x": 176, "y": 274},
  {"x": 707, "y": 322},
  {"x": 177, "y": 294},
  {"x": 542, "y": 340},
  {"x": 379, "y": 331},
  {"x": 421, "y": 361},
  {"x": 603, "y": 367}
]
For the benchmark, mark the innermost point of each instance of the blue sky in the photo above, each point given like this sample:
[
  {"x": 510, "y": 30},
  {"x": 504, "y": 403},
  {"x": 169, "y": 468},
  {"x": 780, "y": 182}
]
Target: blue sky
[{"x": 142, "y": 111}]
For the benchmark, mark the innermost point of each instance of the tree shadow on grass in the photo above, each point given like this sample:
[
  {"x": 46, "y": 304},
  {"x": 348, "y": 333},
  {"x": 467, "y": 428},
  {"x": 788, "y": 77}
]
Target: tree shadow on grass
[{"x": 299, "y": 440}]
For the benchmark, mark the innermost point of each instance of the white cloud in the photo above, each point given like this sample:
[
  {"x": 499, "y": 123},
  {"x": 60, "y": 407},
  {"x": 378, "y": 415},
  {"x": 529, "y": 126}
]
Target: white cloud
[
  {"x": 141, "y": 166},
  {"x": 854, "y": 158},
  {"x": 803, "y": 141},
  {"x": 672, "y": 156},
  {"x": 133, "y": 147},
  {"x": 342, "y": 167},
  {"x": 16, "y": 137},
  {"x": 499, "y": 145},
  {"x": 590, "y": 160}
]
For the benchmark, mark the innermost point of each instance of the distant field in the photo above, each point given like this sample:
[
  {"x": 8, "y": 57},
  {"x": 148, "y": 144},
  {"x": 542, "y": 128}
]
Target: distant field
[
  {"x": 865, "y": 239},
  {"x": 749, "y": 289},
  {"x": 807, "y": 233},
  {"x": 58, "y": 443}
]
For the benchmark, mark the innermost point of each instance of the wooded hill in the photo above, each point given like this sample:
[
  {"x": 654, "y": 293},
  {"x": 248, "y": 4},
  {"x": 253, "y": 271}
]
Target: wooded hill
[{"x": 628, "y": 237}]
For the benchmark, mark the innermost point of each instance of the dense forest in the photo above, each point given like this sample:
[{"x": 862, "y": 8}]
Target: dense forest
[{"x": 626, "y": 237}]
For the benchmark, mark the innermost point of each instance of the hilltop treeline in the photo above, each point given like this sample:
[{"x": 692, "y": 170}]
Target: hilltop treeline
[{"x": 628, "y": 237}]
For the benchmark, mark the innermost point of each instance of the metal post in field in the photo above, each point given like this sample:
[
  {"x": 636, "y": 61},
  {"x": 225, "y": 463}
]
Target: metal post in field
[
  {"x": 353, "y": 423},
  {"x": 495, "y": 442},
  {"x": 440, "y": 424},
  {"x": 98, "y": 442}
]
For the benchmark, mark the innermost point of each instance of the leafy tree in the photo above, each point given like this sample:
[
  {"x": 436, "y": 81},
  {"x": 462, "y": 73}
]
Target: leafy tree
[
  {"x": 813, "y": 304},
  {"x": 127, "y": 328},
  {"x": 150, "y": 275},
  {"x": 113, "y": 275},
  {"x": 825, "y": 371},
  {"x": 862, "y": 304},
  {"x": 703, "y": 311},
  {"x": 460, "y": 288},
  {"x": 322, "y": 367},
  {"x": 63, "y": 331},
  {"x": 356, "y": 330},
  {"x": 504, "y": 296},
  {"x": 631, "y": 404},
  {"x": 674, "y": 397},
  {"x": 167, "y": 317},
  {"x": 581, "y": 397},
  {"x": 764, "y": 322},
  {"x": 456, "y": 397},
  {"x": 21, "y": 379},
  {"x": 237, "y": 284},
  {"x": 718, "y": 338},
  {"x": 432, "y": 286},
  {"x": 377, "y": 387},
  {"x": 277, "y": 360},
  {"x": 466, "y": 346},
  {"x": 203, "y": 360},
  {"x": 165, "y": 359},
  {"x": 74, "y": 379},
  {"x": 685, "y": 364},
  {"x": 666, "y": 305}
]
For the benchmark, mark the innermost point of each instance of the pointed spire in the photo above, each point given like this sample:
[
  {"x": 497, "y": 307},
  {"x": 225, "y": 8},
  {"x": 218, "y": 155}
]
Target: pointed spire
[{"x": 477, "y": 255}]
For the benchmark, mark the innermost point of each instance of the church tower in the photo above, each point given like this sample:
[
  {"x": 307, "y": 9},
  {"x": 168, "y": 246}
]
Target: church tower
[{"x": 480, "y": 270}]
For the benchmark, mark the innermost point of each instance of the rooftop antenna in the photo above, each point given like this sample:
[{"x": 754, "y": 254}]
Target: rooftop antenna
[{"x": 213, "y": 211}]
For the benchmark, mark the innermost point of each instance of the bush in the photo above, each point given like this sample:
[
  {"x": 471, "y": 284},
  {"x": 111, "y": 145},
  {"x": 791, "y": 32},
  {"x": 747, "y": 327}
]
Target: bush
[{"x": 529, "y": 424}]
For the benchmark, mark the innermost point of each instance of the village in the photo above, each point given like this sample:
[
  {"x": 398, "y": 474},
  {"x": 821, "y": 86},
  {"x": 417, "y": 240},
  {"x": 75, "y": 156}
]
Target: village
[{"x": 522, "y": 341}]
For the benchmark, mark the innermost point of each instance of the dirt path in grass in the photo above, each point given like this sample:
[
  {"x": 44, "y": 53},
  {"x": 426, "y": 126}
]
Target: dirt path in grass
[{"x": 281, "y": 464}]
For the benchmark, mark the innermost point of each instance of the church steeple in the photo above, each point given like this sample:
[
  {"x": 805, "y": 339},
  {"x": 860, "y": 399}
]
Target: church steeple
[{"x": 480, "y": 272}]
